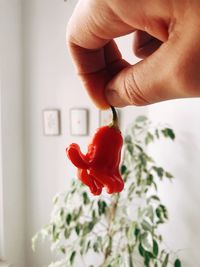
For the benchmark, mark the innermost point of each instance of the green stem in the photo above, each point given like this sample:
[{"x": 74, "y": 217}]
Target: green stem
[{"x": 115, "y": 122}]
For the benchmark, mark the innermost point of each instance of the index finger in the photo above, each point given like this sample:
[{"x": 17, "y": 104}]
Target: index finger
[{"x": 96, "y": 68}]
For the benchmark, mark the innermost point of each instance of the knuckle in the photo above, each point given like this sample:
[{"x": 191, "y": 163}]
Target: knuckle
[{"x": 133, "y": 92}]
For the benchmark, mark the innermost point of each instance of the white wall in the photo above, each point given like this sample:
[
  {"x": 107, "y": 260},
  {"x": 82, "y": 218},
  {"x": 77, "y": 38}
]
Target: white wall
[
  {"x": 2, "y": 252},
  {"x": 182, "y": 159},
  {"x": 12, "y": 181},
  {"x": 50, "y": 82}
]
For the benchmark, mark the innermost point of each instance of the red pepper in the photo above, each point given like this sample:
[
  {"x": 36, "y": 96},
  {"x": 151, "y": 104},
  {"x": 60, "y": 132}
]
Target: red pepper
[{"x": 100, "y": 166}]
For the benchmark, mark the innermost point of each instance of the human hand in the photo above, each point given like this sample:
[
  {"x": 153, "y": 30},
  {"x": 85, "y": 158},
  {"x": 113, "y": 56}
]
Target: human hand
[{"x": 167, "y": 38}]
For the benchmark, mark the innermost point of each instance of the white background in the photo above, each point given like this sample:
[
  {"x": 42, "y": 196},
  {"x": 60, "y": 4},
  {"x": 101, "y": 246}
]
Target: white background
[
  {"x": 12, "y": 133},
  {"x": 36, "y": 73}
]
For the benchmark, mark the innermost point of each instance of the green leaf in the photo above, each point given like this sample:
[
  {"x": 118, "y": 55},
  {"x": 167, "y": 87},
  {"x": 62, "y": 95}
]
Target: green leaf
[
  {"x": 82, "y": 244},
  {"x": 96, "y": 247},
  {"x": 102, "y": 205},
  {"x": 143, "y": 160},
  {"x": 146, "y": 226},
  {"x": 93, "y": 214},
  {"x": 62, "y": 249},
  {"x": 91, "y": 225},
  {"x": 157, "y": 133},
  {"x": 154, "y": 197},
  {"x": 159, "y": 213},
  {"x": 150, "y": 213},
  {"x": 77, "y": 229},
  {"x": 165, "y": 262},
  {"x": 159, "y": 171},
  {"x": 155, "y": 248},
  {"x": 66, "y": 233},
  {"x": 141, "y": 250},
  {"x": 131, "y": 231},
  {"x": 130, "y": 148},
  {"x": 148, "y": 158},
  {"x": 155, "y": 186},
  {"x": 55, "y": 199},
  {"x": 141, "y": 118},
  {"x": 131, "y": 189},
  {"x": 55, "y": 234},
  {"x": 139, "y": 148},
  {"x": 61, "y": 212},
  {"x": 34, "y": 241},
  {"x": 68, "y": 218},
  {"x": 76, "y": 214},
  {"x": 87, "y": 228},
  {"x": 149, "y": 179},
  {"x": 177, "y": 263},
  {"x": 147, "y": 260},
  {"x": 149, "y": 138},
  {"x": 86, "y": 199},
  {"x": 147, "y": 241},
  {"x": 162, "y": 254},
  {"x": 128, "y": 139},
  {"x": 169, "y": 175},
  {"x": 72, "y": 257},
  {"x": 167, "y": 132},
  {"x": 123, "y": 169},
  {"x": 88, "y": 246},
  {"x": 137, "y": 232},
  {"x": 164, "y": 211},
  {"x": 53, "y": 229}
]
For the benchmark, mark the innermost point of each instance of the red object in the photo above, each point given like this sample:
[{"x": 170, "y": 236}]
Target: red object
[{"x": 100, "y": 166}]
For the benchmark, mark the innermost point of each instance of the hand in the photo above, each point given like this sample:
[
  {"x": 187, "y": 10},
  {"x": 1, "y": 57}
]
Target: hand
[{"x": 167, "y": 38}]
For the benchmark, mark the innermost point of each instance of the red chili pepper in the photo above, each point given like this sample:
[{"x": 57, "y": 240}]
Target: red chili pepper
[{"x": 100, "y": 166}]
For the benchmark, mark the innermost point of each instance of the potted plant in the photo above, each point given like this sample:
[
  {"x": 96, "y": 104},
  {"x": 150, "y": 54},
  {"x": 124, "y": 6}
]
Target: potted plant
[{"x": 122, "y": 229}]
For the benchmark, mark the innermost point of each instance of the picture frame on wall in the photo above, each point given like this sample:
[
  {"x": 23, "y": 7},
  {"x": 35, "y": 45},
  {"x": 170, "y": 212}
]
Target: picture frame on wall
[
  {"x": 79, "y": 121},
  {"x": 51, "y": 122}
]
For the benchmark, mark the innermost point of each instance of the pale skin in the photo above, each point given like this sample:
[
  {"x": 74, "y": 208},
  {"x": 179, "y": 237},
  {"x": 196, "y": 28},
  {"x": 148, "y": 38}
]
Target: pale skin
[{"x": 167, "y": 38}]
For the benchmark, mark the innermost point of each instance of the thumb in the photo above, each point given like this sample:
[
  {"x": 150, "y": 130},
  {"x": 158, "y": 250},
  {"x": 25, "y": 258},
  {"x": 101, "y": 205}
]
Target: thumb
[{"x": 149, "y": 81}]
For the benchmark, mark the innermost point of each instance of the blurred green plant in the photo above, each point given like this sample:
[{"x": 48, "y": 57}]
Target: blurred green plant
[{"x": 122, "y": 229}]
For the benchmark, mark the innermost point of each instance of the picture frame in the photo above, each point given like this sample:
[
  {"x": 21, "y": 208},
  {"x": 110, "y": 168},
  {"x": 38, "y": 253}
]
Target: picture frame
[
  {"x": 51, "y": 122},
  {"x": 79, "y": 121}
]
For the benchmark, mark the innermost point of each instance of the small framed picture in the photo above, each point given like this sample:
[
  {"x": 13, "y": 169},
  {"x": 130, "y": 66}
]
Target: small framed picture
[
  {"x": 79, "y": 121},
  {"x": 51, "y": 122},
  {"x": 105, "y": 117}
]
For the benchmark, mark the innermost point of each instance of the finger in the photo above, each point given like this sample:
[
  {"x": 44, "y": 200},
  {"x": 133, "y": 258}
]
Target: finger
[
  {"x": 144, "y": 44},
  {"x": 97, "y": 67},
  {"x": 113, "y": 59}
]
